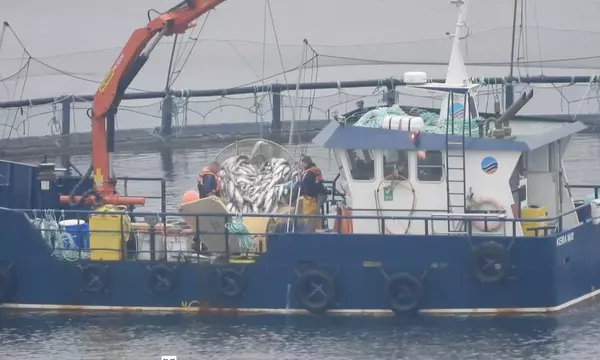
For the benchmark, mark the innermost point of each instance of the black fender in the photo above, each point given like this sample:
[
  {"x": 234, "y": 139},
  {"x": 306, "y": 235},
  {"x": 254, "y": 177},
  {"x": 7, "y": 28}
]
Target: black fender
[
  {"x": 490, "y": 262},
  {"x": 231, "y": 282},
  {"x": 315, "y": 290},
  {"x": 404, "y": 293},
  {"x": 6, "y": 284},
  {"x": 94, "y": 278},
  {"x": 161, "y": 279}
]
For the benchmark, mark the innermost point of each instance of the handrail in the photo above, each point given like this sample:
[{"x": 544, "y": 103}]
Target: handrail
[
  {"x": 471, "y": 217},
  {"x": 468, "y": 216}
]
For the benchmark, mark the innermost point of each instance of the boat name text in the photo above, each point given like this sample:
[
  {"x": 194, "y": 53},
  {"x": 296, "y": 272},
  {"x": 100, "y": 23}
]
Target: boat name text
[{"x": 565, "y": 239}]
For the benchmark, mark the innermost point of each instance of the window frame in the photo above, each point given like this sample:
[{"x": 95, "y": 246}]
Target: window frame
[
  {"x": 440, "y": 166},
  {"x": 350, "y": 167},
  {"x": 409, "y": 167}
]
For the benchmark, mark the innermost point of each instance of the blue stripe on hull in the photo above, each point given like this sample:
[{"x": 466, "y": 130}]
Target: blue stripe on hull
[{"x": 543, "y": 278}]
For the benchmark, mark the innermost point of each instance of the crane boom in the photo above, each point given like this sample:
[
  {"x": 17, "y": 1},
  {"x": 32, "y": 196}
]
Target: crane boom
[{"x": 132, "y": 58}]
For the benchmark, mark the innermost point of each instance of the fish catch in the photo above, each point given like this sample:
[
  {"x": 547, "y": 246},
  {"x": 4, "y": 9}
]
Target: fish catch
[{"x": 251, "y": 186}]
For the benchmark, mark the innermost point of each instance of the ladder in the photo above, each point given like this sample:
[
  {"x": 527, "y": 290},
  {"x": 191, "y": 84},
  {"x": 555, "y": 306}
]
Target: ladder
[{"x": 456, "y": 187}]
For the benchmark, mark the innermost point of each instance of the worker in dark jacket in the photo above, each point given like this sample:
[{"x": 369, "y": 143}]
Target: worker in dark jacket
[
  {"x": 209, "y": 183},
  {"x": 312, "y": 191}
]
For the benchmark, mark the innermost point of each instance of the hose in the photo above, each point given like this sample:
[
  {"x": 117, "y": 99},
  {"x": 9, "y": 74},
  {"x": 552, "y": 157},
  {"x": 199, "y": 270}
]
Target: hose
[
  {"x": 86, "y": 194},
  {"x": 396, "y": 180},
  {"x": 61, "y": 242},
  {"x": 237, "y": 227}
]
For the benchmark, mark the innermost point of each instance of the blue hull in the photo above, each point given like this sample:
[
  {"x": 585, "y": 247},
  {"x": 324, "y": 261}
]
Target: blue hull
[{"x": 542, "y": 277}]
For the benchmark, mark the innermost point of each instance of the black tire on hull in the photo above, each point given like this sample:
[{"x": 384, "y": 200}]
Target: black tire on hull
[
  {"x": 5, "y": 284},
  {"x": 315, "y": 290},
  {"x": 404, "y": 293},
  {"x": 491, "y": 262},
  {"x": 161, "y": 279},
  {"x": 231, "y": 282},
  {"x": 94, "y": 278}
]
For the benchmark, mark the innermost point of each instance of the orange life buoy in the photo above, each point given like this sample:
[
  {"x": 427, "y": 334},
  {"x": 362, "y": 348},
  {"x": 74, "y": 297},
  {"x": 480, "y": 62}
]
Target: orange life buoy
[
  {"x": 491, "y": 226},
  {"x": 343, "y": 225}
]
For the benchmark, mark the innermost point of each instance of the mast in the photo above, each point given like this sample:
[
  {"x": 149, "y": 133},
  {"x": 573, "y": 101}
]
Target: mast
[{"x": 510, "y": 91}]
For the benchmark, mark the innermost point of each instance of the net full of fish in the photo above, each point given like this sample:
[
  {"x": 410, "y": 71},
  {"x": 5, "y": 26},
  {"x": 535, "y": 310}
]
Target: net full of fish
[{"x": 251, "y": 188}]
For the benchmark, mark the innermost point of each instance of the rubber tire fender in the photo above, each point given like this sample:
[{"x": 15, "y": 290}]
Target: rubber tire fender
[
  {"x": 6, "y": 283},
  {"x": 490, "y": 262},
  {"x": 231, "y": 282},
  {"x": 95, "y": 277},
  {"x": 312, "y": 282},
  {"x": 405, "y": 285},
  {"x": 161, "y": 279}
]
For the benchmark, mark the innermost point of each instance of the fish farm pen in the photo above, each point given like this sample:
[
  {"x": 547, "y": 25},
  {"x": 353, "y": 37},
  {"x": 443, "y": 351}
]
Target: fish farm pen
[{"x": 173, "y": 133}]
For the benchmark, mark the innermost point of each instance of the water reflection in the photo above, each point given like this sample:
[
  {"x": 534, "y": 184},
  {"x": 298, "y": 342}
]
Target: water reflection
[
  {"x": 94, "y": 336},
  {"x": 166, "y": 158}
]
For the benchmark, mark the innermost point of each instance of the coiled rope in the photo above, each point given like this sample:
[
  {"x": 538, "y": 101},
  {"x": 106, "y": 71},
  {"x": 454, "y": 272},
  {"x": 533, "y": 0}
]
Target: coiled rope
[
  {"x": 237, "y": 228},
  {"x": 61, "y": 242}
]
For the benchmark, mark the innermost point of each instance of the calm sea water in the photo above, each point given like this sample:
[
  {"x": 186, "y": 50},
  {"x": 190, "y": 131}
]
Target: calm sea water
[{"x": 87, "y": 336}]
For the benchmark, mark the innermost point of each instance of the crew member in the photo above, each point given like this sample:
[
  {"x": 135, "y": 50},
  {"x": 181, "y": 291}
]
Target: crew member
[
  {"x": 208, "y": 181},
  {"x": 312, "y": 192}
]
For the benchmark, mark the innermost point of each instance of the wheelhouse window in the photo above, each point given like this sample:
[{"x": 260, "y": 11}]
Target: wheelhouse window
[
  {"x": 395, "y": 164},
  {"x": 362, "y": 164},
  {"x": 429, "y": 166}
]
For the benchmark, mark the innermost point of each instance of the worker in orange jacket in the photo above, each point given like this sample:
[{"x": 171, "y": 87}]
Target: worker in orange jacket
[
  {"x": 209, "y": 183},
  {"x": 312, "y": 192}
]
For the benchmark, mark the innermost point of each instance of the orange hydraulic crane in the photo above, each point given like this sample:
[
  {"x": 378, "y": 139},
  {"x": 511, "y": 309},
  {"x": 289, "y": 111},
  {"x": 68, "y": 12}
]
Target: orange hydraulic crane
[{"x": 132, "y": 58}]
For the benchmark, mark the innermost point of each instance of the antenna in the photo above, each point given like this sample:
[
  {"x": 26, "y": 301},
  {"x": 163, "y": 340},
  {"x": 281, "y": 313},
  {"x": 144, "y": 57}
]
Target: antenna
[
  {"x": 510, "y": 93},
  {"x": 457, "y": 71}
]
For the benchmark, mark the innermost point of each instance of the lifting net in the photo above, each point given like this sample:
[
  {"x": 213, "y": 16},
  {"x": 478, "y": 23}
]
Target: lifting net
[{"x": 257, "y": 176}]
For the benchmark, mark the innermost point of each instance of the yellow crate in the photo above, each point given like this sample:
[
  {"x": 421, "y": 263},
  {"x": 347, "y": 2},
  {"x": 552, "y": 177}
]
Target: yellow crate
[{"x": 108, "y": 233}]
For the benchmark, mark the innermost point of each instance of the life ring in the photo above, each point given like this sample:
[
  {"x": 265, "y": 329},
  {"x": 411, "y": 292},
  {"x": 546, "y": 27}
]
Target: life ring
[
  {"x": 491, "y": 262},
  {"x": 315, "y": 290},
  {"x": 404, "y": 293},
  {"x": 5, "y": 284},
  {"x": 161, "y": 279},
  {"x": 231, "y": 282},
  {"x": 487, "y": 226},
  {"x": 95, "y": 277}
]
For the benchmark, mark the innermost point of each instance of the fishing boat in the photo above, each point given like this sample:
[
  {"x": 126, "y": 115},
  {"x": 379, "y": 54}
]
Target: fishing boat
[{"x": 465, "y": 216}]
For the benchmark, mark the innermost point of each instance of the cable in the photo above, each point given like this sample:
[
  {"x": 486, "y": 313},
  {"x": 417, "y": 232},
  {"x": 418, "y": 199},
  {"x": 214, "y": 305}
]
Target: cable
[
  {"x": 33, "y": 58},
  {"x": 175, "y": 77},
  {"x": 278, "y": 48}
]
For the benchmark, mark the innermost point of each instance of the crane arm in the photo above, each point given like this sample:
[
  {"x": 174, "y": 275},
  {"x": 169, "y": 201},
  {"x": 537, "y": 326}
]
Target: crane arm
[{"x": 130, "y": 61}]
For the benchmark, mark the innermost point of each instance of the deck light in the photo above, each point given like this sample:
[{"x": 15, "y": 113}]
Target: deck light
[{"x": 415, "y": 137}]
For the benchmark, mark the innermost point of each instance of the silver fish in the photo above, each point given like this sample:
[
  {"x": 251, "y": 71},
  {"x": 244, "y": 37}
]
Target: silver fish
[{"x": 254, "y": 187}]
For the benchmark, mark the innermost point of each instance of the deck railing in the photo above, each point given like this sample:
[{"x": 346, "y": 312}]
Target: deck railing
[{"x": 157, "y": 246}]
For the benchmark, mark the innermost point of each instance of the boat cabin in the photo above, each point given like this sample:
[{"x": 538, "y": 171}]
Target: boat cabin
[
  {"x": 455, "y": 167},
  {"x": 417, "y": 170}
]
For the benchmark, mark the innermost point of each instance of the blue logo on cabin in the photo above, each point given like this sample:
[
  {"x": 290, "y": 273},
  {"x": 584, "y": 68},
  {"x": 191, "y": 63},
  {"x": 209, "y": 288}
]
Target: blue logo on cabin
[
  {"x": 489, "y": 165},
  {"x": 458, "y": 110}
]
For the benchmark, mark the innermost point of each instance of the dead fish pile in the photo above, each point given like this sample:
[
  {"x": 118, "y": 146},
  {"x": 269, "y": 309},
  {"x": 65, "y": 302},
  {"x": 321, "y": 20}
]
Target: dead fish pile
[{"x": 255, "y": 187}]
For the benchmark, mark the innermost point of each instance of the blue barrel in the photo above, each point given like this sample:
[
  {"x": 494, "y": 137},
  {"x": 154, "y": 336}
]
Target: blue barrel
[{"x": 79, "y": 231}]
